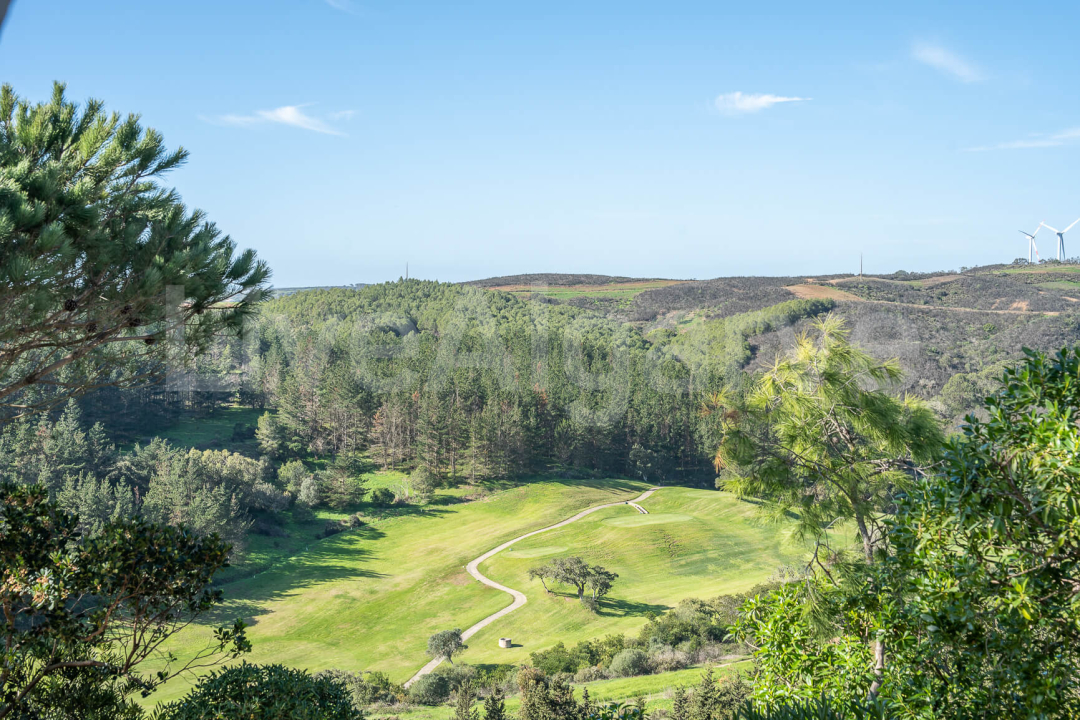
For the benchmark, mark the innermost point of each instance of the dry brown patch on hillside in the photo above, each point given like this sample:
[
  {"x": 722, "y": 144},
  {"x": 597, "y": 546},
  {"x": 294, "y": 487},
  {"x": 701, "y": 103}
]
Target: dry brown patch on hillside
[{"x": 820, "y": 292}]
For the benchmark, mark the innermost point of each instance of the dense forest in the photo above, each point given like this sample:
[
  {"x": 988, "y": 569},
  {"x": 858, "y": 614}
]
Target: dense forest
[{"x": 471, "y": 384}]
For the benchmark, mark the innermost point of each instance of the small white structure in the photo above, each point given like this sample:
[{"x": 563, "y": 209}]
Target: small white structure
[{"x": 504, "y": 642}]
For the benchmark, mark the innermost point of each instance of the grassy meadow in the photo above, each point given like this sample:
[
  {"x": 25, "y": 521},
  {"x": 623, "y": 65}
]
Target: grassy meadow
[{"x": 369, "y": 598}]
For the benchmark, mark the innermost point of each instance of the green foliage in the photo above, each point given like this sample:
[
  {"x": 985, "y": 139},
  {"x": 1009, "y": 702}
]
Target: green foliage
[
  {"x": 431, "y": 689},
  {"x": 463, "y": 703},
  {"x": 90, "y": 242},
  {"x": 82, "y": 613},
  {"x": 263, "y": 692},
  {"x": 382, "y": 497},
  {"x": 816, "y": 439},
  {"x": 617, "y": 711},
  {"x": 987, "y": 556},
  {"x": 494, "y": 705},
  {"x": 367, "y": 688},
  {"x": 717, "y": 700},
  {"x": 817, "y": 710},
  {"x": 630, "y": 662},
  {"x": 445, "y": 644},
  {"x": 721, "y": 348},
  {"x": 793, "y": 661},
  {"x": 578, "y": 574}
]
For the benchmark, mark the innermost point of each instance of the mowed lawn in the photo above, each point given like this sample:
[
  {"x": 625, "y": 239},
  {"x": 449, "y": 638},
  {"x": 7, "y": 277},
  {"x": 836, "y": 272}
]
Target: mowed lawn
[
  {"x": 693, "y": 543},
  {"x": 368, "y": 599}
]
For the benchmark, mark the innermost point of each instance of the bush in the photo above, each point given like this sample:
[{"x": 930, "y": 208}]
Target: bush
[
  {"x": 591, "y": 673},
  {"x": 263, "y": 692},
  {"x": 666, "y": 659},
  {"x": 457, "y": 675},
  {"x": 383, "y": 497},
  {"x": 630, "y": 662},
  {"x": 433, "y": 689},
  {"x": 367, "y": 688}
]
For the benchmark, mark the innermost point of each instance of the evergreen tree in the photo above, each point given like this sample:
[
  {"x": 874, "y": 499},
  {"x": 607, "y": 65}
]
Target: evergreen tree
[
  {"x": 91, "y": 244},
  {"x": 463, "y": 703},
  {"x": 680, "y": 704},
  {"x": 495, "y": 706},
  {"x": 705, "y": 701}
]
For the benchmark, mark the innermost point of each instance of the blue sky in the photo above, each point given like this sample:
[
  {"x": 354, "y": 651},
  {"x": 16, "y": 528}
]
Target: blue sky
[{"x": 344, "y": 138}]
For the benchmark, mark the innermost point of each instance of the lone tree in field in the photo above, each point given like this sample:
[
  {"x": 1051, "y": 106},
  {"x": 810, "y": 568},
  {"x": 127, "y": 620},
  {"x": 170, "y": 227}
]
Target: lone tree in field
[
  {"x": 577, "y": 573},
  {"x": 100, "y": 263},
  {"x": 819, "y": 436},
  {"x": 445, "y": 644}
]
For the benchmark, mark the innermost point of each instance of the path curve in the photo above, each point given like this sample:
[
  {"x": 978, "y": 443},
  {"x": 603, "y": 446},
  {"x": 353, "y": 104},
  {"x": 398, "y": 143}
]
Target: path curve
[{"x": 473, "y": 569}]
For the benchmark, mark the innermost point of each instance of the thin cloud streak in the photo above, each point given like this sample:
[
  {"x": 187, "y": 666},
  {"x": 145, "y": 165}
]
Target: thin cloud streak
[
  {"x": 342, "y": 5},
  {"x": 292, "y": 115},
  {"x": 946, "y": 61},
  {"x": 1065, "y": 137},
  {"x": 738, "y": 103}
]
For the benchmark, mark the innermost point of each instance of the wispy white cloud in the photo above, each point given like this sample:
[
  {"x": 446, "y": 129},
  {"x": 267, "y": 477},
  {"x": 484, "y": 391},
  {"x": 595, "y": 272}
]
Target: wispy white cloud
[
  {"x": 293, "y": 115},
  {"x": 739, "y": 103},
  {"x": 342, "y": 115},
  {"x": 1069, "y": 136},
  {"x": 946, "y": 61},
  {"x": 342, "y": 5}
]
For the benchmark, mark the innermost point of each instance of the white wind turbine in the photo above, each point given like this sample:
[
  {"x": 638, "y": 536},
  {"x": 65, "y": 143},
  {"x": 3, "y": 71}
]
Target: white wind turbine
[
  {"x": 1061, "y": 238},
  {"x": 1031, "y": 242}
]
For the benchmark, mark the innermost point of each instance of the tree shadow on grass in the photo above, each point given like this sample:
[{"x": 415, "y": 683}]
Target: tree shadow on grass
[
  {"x": 612, "y": 607},
  {"x": 249, "y": 597}
]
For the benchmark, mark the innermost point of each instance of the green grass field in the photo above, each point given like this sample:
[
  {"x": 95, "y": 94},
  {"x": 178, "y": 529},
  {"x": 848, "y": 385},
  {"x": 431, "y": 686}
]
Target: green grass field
[
  {"x": 694, "y": 543},
  {"x": 656, "y": 689},
  {"x": 369, "y": 598}
]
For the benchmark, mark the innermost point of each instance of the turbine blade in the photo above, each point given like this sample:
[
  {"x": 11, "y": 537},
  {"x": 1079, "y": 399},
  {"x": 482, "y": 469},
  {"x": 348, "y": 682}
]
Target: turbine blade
[
  {"x": 1047, "y": 227},
  {"x": 1077, "y": 220}
]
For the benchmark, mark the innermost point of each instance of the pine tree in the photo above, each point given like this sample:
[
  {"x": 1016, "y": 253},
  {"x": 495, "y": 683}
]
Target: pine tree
[
  {"x": 91, "y": 244},
  {"x": 704, "y": 704},
  {"x": 588, "y": 707},
  {"x": 495, "y": 706},
  {"x": 680, "y": 705},
  {"x": 463, "y": 704}
]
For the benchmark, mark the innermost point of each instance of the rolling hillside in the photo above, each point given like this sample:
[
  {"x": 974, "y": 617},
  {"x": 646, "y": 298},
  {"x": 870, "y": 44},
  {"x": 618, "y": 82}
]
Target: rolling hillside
[{"x": 368, "y": 599}]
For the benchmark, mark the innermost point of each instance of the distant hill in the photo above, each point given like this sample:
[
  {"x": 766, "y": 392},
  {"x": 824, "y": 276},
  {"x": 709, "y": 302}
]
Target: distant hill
[
  {"x": 282, "y": 292},
  {"x": 555, "y": 280}
]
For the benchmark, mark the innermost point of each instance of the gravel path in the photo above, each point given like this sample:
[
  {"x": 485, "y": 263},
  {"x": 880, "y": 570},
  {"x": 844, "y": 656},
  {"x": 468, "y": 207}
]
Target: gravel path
[{"x": 473, "y": 569}]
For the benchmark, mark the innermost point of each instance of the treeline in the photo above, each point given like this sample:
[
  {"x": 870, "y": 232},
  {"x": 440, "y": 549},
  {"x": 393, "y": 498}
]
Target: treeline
[
  {"x": 205, "y": 491},
  {"x": 466, "y": 383}
]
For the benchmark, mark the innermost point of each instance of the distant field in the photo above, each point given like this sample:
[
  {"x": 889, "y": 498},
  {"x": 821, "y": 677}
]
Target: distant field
[
  {"x": 656, "y": 689},
  {"x": 820, "y": 292},
  {"x": 618, "y": 291},
  {"x": 368, "y": 599}
]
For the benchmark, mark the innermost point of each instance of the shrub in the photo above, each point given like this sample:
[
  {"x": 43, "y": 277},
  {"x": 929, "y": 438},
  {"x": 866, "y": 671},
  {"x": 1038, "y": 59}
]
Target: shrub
[
  {"x": 591, "y": 673},
  {"x": 263, "y": 692},
  {"x": 457, "y": 675},
  {"x": 366, "y": 688},
  {"x": 431, "y": 689},
  {"x": 666, "y": 658},
  {"x": 630, "y": 662},
  {"x": 383, "y": 497}
]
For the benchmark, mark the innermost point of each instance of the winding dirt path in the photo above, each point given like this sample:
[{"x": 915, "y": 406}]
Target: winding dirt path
[{"x": 473, "y": 569}]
